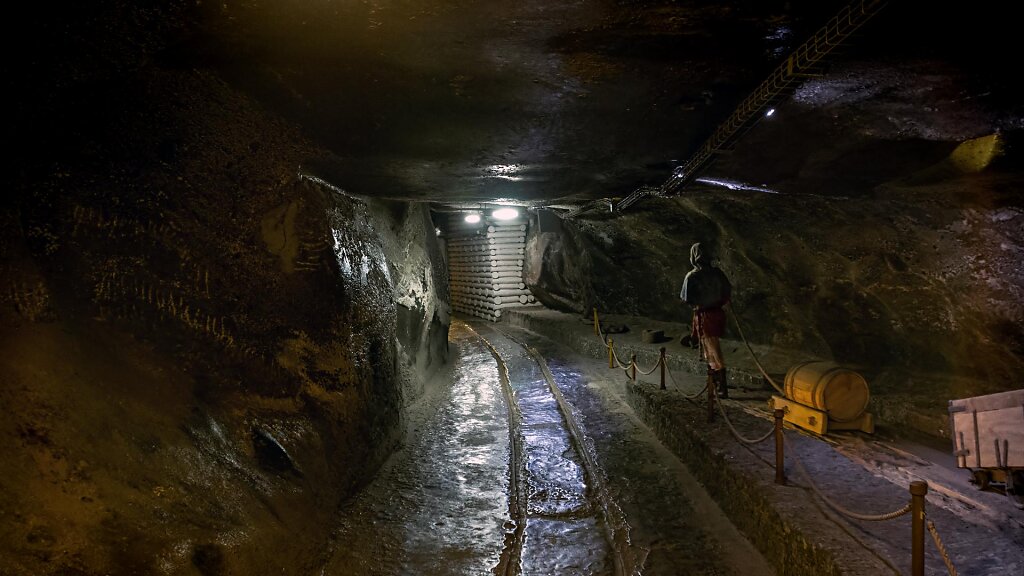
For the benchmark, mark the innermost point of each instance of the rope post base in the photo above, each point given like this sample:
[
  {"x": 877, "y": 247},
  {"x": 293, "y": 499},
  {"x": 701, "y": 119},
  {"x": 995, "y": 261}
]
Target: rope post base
[
  {"x": 662, "y": 361},
  {"x": 632, "y": 365},
  {"x": 780, "y": 458},
  {"x": 711, "y": 398},
  {"x": 611, "y": 353},
  {"x": 918, "y": 491}
]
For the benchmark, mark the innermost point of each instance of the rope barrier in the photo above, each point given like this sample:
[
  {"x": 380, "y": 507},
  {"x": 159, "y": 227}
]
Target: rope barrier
[
  {"x": 619, "y": 362},
  {"x": 625, "y": 367},
  {"x": 615, "y": 355},
  {"x": 678, "y": 387},
  {"x": 610, "y": 348},
  {"x": 739, "y": 436},
  {"x": 942, "y": 548},
  {"x": 739, "y": 329},
  {"x": 918, "y": 489},
  {"x": 837, "y": 507},
  {"x": 597, "y": 326},
  {"x": 653, "y": 368}
]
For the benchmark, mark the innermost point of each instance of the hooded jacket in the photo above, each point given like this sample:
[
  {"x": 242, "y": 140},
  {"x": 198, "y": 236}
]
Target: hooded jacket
[{"x": 705, "y": 286}]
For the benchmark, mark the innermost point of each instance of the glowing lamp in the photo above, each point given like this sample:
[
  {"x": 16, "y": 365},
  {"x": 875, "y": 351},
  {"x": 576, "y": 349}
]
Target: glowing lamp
[
  {"x": 505, "y": 214},
  {"x": 472, "y": 218}
]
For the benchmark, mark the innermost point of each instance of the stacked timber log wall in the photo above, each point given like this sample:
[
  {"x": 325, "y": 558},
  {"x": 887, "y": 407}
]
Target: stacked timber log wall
[{"x": 485, "y": 265}]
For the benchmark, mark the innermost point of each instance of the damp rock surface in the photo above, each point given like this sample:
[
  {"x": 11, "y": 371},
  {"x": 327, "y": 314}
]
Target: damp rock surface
[
  {"x": 439, "y": 505},
  {"x": 443, "y": 503}
]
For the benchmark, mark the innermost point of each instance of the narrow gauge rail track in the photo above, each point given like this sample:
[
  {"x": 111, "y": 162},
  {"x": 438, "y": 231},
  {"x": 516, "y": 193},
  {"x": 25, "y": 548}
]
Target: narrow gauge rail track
[
  {"x": 624, "y": 559},
  {"x": 509, "y": 563}
]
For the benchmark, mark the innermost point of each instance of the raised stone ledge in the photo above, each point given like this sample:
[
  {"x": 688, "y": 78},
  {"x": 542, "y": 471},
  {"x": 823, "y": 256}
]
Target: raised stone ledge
[{"x": 790, "y": 531}]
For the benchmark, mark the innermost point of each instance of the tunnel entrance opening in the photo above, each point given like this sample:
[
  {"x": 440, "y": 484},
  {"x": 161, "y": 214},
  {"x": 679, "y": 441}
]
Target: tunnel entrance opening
[{"x": 485, "y": 254}]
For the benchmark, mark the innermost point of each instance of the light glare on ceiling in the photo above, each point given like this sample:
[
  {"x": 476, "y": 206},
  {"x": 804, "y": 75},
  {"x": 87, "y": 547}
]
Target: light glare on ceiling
[
  {"x": 472, "y": 218},
  {"x": 505, "y": 213}
]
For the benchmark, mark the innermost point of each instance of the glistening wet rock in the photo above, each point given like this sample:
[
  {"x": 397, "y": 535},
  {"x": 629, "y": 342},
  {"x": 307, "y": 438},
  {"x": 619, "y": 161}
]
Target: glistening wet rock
[{"x": 270, "y": 454}]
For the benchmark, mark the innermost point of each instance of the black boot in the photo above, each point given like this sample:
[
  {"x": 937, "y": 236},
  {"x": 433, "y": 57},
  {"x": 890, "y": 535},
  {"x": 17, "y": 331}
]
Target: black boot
[{"x": 721, "y": 383}]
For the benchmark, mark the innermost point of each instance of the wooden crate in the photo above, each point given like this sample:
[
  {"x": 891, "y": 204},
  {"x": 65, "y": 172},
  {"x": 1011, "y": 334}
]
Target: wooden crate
[{"x": 988, "y": 431}]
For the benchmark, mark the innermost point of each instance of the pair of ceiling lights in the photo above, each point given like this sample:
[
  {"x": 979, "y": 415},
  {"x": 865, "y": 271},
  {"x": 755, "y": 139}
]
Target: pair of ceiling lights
[{"x": 499, "y": 214}]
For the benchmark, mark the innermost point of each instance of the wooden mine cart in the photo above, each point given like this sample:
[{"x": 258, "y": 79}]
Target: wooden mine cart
[{"x": 988, "y": 439}]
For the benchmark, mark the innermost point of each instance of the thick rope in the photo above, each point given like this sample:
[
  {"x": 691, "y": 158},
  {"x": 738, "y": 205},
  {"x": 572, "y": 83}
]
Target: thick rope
[
  {"x": 942, "y": 548},
  {"x": 736, "y": 321},
  {"x": 739, "y": 436},
  {"x": 837, "y": 507},
  {"x": 675, "y": 386},
  {"x": 678, "y": 387},
  {"x": 615, "y": 355},
  {"x": 653, "y": 368},
  {"x": 626, "y": 367}
]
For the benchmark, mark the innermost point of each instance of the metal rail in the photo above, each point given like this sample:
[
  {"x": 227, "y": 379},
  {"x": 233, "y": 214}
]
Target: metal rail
[
  {"x": 510, "y": 561},
  {"x": 625, "y": 562}
]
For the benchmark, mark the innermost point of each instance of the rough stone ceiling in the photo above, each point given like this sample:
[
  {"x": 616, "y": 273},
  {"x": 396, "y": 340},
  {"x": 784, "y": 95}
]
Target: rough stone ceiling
[{"x": 549, "y": 101}]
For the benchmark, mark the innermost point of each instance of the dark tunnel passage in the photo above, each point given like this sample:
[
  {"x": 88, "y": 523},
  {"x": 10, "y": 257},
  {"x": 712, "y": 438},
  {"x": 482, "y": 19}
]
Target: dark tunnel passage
[{"x": 395, "y": 288}]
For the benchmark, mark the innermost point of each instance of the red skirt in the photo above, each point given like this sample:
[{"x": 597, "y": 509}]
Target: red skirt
[{"x": 708, "y": 322}]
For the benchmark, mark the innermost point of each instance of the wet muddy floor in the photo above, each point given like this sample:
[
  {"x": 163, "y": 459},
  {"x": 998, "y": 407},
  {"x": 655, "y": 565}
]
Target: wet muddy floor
[{"x": 516, "y": 463}]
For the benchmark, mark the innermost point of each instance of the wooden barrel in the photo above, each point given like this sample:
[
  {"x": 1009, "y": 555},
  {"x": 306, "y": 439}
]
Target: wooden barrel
[{"x": 838, "y": 391}]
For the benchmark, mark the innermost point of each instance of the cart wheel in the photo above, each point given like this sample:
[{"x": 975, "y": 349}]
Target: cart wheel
[
  {"x": 1015, "y": 482},
  {"x": 1015, "y": 487},
  {"x": 980, "y": 478}
]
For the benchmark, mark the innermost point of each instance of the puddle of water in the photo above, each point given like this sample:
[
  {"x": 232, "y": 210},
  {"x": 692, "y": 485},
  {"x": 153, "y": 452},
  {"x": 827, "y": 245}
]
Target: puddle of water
[{"x": 565, "y": 547}]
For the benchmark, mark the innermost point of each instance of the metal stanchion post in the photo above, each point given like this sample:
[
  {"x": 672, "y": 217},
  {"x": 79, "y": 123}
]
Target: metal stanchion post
[
  {"x": 780, "y": 458},
  {"x": 632, "y": 364},
  {"x": 918, "y": 490},
  {"x": 662, "y": 367},
  {"x": 611, "y": 353}
]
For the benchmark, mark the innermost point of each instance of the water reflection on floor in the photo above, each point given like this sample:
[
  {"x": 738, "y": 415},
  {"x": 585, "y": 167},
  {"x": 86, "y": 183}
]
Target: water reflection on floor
[
  {"x": 441, "y": 505},
  {"x": 564, "y": 529},
  {"x": 438, "y": 506}
]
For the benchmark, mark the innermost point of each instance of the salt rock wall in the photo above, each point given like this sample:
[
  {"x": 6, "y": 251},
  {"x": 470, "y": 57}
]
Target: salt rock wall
[
  {"x": 417, "y": 268},
  {"x": 202, "y": 354},
  {"x": 917, "y": 283}
]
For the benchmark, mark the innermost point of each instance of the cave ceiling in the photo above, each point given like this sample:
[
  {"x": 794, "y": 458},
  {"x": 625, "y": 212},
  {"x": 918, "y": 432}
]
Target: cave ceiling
[{"x": 558, "y": 102}]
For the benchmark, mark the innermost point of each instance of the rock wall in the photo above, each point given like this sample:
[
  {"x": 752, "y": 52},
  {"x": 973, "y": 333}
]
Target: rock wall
[
  {"x": 203, "y": 352},
  {"x": 417, "y": 268},
  {"x": 917, "y": 283}
]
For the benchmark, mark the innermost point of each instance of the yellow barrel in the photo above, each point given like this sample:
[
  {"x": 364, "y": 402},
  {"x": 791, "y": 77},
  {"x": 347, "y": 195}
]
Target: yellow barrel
[{"x": 838, "y": 391}]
